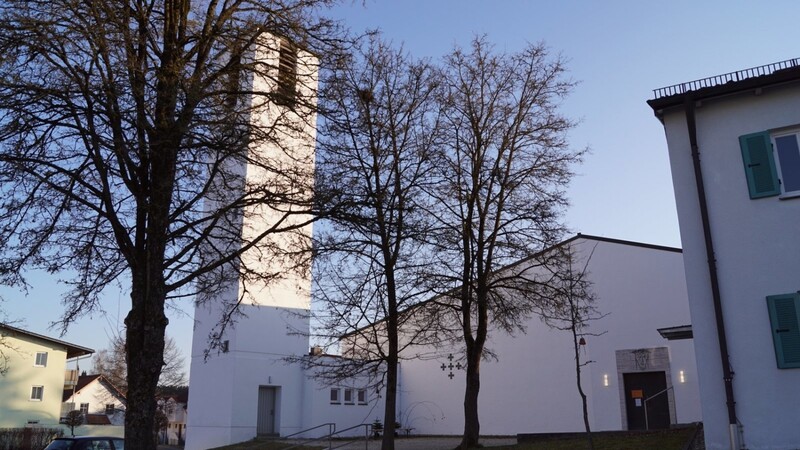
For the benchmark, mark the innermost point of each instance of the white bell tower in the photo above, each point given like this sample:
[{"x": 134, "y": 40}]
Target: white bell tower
[{"x": 246, "y": 388}]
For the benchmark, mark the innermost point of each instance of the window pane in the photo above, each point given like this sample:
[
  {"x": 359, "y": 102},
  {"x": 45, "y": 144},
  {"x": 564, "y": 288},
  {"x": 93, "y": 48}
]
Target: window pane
[
  {"x": 362, "y": 396},
  {"x": 334, "y": 395},
  {"x": 62, "y": 444},
  {"x": 789, "y": 159},
  {"x": 41, "y": 359}
]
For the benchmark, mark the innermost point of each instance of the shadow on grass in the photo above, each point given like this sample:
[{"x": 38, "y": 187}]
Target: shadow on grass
[{"x": 675, "y": 439}]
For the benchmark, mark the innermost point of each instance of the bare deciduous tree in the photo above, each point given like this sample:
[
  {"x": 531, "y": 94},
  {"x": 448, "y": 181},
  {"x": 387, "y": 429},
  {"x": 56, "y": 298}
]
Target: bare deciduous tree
[
  {"x": 124, "y": 130},
  {"x": 375, "y": 161},
  {"x": 112, "y": 365},
  {"x": 6, "y": 347},
  {"x": 572, "y": 308},
  {"x": 503, "y": 173}
]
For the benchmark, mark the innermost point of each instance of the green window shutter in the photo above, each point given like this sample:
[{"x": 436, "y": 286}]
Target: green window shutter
[
  {"x": 759, "y": 165},
  {"x": 785, "y": 323}
]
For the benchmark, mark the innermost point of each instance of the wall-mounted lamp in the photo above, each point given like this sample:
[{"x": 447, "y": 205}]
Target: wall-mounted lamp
[
  {"x": 582, "y": 341},
  {"x": 681, "y": 377},
  {"x": 605, "y": 379}
]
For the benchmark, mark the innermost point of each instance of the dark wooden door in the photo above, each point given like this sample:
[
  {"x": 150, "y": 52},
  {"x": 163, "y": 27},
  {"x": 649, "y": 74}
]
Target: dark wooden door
[{"x": 640, "y": 387}]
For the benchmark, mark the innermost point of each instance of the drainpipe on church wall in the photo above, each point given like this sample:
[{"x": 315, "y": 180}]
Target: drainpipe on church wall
[{"x": 727, "y": 373}]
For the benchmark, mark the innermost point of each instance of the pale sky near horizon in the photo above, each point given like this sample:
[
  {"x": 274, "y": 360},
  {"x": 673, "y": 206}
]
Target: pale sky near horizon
[{"x": 619, "y": 51}]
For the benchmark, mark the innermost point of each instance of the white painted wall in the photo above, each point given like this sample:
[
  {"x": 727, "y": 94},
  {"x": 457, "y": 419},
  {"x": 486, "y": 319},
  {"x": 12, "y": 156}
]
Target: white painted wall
[
  {"x": 757, "y": 255},
  {"x": 223, "y": 395},
  {"x": 531, "y": 387},
  {"x": 319, "y": 409}
]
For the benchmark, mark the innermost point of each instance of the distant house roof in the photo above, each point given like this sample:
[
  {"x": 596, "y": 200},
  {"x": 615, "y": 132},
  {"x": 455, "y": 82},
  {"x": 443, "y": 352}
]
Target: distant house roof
[
  {"x": 180, "y": 394},
  {"x": 73, "y": 351},
  {"x": 85, "y": 380},
  {"x": 97, "y": 419},
  {"x": 725, "y": 84}
]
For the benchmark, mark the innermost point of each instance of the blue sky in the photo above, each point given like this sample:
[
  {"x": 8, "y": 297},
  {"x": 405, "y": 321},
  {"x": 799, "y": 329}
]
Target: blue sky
[{"x": 619, "y": 51}]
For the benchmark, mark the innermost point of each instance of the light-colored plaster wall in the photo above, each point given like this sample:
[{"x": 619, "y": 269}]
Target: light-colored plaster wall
[
  {"x": 319, "y": 409},
  {"x": 223, "y": 394},
  {"x": 757, "y": 255},
  {"x": 292, "y": 168},
  {"x": 16, "y": 407}
]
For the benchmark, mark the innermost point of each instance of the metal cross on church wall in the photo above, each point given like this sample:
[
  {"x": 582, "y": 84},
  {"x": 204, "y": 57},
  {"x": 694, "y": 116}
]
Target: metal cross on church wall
[{"x": 451, "y": 366}]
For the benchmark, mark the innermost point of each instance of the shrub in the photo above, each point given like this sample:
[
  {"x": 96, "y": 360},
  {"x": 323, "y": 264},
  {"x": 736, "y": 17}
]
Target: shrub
[{"x": 28, "y": 438}]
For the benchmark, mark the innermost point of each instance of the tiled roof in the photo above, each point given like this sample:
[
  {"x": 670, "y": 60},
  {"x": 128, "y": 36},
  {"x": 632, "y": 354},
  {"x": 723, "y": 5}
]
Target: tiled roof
[
  {"x": 73, "y": 351},
  {"x": 97, "y": 419},
  {"x": 85, "y": 380}
]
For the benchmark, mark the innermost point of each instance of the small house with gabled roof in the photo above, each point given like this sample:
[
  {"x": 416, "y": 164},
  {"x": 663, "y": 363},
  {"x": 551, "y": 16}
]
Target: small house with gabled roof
[{"x": 98, "y": 399}]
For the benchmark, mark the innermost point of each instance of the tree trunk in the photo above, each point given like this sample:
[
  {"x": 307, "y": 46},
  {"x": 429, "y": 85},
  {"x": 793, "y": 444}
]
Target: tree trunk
[
  {"x": 390, "y": 414},
  {"x": 390, "y": 410},
  {"x": 585, "y": 413},
  {"x": 472, "y": 426},
  {"x": 577, "y": 346},
  {"x": 146, "y": 325}
]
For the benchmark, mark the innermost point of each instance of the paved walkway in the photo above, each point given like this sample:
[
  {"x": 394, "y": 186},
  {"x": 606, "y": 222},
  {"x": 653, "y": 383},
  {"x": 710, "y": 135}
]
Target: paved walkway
[{"x": 428, "y": 443}]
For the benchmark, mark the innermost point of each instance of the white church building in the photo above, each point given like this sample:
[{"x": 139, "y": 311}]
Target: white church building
[
  {"x": 639, "y": 348},
  {"x": 642, "y": 360},
  {"x": 642, "y": 353}
]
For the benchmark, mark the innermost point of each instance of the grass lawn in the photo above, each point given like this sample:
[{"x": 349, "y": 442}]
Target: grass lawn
[{"x": 663, "y": 440}]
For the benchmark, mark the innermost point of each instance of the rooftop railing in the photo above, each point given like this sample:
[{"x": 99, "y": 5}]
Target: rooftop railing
[{"x": 718, "y": 80}]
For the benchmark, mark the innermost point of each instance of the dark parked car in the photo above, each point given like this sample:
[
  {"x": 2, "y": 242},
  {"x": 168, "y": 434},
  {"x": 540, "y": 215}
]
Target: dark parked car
[{"x": 87, "y": 443}]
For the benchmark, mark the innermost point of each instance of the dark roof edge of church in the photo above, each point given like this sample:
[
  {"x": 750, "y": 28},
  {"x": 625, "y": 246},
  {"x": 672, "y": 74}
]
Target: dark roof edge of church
[{"x": 546, "y": 250}]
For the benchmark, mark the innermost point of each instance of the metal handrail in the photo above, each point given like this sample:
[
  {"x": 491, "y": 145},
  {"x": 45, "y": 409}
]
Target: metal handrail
[
  {"x": 331, "y": 431},
  {"x": 646, "y": 421},
  {"x": 367, "y": 430},
  {"x": 331, "y": 434}
]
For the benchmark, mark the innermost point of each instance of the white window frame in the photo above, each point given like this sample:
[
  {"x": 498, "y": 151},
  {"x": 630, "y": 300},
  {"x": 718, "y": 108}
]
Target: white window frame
[
  {"x": 336, "y": 398},
  {"x": 111, "y": 407},
  {"x": 362, "y": 396},
  {"x": 37, "y": 389},
  {"x": 43, "y": 356},
  {"x": 349, "y": 398},
  {"x": 84, "y": 408},
  {"x": 773, "y": 138}
]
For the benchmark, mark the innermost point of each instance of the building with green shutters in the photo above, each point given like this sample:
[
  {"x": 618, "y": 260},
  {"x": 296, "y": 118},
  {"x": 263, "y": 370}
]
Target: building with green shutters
[{"x": 734, "y": 148}]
